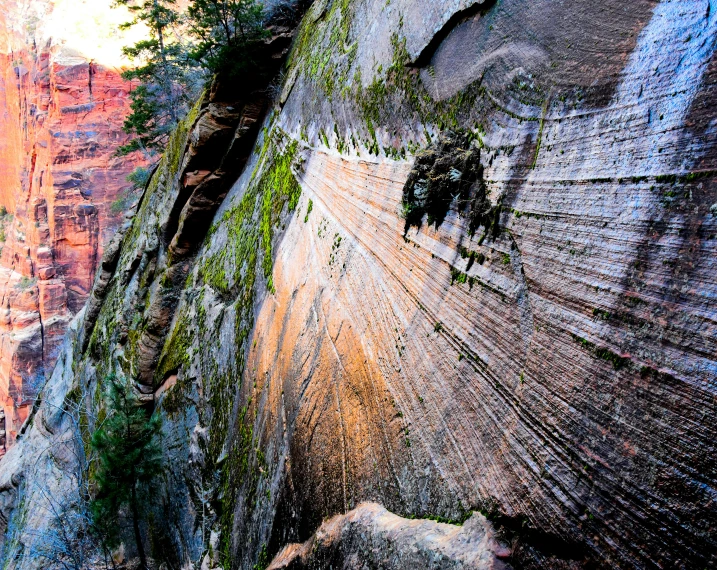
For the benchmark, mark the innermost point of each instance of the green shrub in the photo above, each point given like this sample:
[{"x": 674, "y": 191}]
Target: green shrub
[
  {"x": 26, "y": 283},
  {"x": 129, "y": 458},
  {"x": 181, "y": 51},
  {"x": 139, "y": 177},
  {"x": 119, "y": 205}
]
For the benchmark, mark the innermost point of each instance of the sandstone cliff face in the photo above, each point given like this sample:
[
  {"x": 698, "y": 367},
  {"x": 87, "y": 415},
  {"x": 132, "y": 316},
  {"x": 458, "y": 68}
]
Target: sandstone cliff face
[
  {"x": 62, "y": 116},
  {"x": 468, "y": 267}
]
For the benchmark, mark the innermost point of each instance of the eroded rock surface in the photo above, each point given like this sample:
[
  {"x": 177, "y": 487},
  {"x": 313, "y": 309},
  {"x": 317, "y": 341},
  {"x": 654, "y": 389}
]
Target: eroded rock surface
[
  {"x": 370, "y": 536},
  {"x": 550, "y": 362}
]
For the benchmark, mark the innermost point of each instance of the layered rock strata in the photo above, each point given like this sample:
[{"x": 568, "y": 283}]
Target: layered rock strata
[
  {"x": 468, "y": 267},
  {"x": 62, "y": 195}
]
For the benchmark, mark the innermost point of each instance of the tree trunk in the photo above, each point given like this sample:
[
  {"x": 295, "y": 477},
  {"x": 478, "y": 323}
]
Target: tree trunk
[
  {"x": 165, "y": 66},
  {"x": 137, "y": 534}
]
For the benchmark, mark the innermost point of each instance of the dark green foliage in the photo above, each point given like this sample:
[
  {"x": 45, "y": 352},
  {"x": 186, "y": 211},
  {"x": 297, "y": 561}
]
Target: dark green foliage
[
  {"x": 472, "y": 257},
  {"x": 129, "y": 457},
  {"x": 666, "y": 178},
  {"x": 143, "y": 122},
  {"x": 139, "y": 177},
  {"x": 168, "y": 77},
  {"x": 462, "y": 518},
  {"x": 155, "y": 14},
  {"x": 263, "y": 561},
  {"x": 616, "y": 360},
  {"x": 458, "y": 275},
  {"x": 4, "y": 219},
  {"x": 228, "y": 34},
  {"x": 223, "y": 37},
  {"x": 120, "y": 204},
  {"x": 692, "y": 176},
  {"x": 602, "y": 314},
  {"x": 448, "y": 172}
]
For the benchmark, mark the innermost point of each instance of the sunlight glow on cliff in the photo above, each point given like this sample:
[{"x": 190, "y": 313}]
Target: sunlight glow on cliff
[{"x": 90, "y": 29}]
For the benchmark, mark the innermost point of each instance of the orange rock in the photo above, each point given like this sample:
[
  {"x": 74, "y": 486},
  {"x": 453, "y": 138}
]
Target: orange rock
[{"x": 60, "y": 125}]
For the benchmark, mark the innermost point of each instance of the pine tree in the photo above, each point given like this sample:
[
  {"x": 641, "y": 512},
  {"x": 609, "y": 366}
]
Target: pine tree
[
  {"x": 213, "y": 37},
  {"x": 129, "y": 457},
  {"x": 168, "y": 77},
  {"x": 227, "y": 34}
]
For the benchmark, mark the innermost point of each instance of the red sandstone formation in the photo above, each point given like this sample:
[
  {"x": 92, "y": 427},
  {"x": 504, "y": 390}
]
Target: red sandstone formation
[{"x": 61, "y": 121}]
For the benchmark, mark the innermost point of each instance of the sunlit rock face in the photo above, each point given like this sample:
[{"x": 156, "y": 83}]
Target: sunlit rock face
[
  {"x": 469, "y": 266},
  {"x": 61, "y": 113}
]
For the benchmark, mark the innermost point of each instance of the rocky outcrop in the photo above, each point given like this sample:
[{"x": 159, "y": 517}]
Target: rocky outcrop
[
  {"x": 468, "y": 267},
  {"x": 371, "y": 536},
  {"x": 63, "y": 193}
]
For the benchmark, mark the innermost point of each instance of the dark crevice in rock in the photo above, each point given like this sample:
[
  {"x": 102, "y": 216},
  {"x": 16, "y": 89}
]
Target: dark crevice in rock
[
  {"x": 220, "y": 144},
  {"x": 225, "y": 131},
  {"x": 223, "y": 137},
  {"x": 532, "y": 544}
]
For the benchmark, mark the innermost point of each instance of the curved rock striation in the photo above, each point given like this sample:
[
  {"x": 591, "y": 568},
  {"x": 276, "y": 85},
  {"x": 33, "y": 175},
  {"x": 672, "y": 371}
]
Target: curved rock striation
[{"x": 469, "y": 266}]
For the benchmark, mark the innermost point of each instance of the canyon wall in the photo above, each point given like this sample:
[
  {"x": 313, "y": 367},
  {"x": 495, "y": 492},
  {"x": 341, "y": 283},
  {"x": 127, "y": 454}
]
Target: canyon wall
[
  {"x": 467, "y": 272},
  {"x": 62, "y": 192}
]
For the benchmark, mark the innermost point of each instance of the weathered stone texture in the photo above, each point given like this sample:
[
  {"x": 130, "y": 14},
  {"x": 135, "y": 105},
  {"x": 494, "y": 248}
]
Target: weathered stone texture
[
  {"x": 310, "y": 350},
  {"x": 371, "y": 536}
]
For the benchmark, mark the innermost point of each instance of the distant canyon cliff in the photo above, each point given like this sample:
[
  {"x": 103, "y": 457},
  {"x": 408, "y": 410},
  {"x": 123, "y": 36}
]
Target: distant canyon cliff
[
  {"x": 441, "y": 293},
  {"x": 62, "y": 192}
]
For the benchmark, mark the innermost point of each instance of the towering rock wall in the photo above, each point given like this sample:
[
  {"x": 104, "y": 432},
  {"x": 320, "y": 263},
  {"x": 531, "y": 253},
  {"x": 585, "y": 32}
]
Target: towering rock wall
[
  {"x": 62, "y": 193},
  {"x": 469, "y": 266}
]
